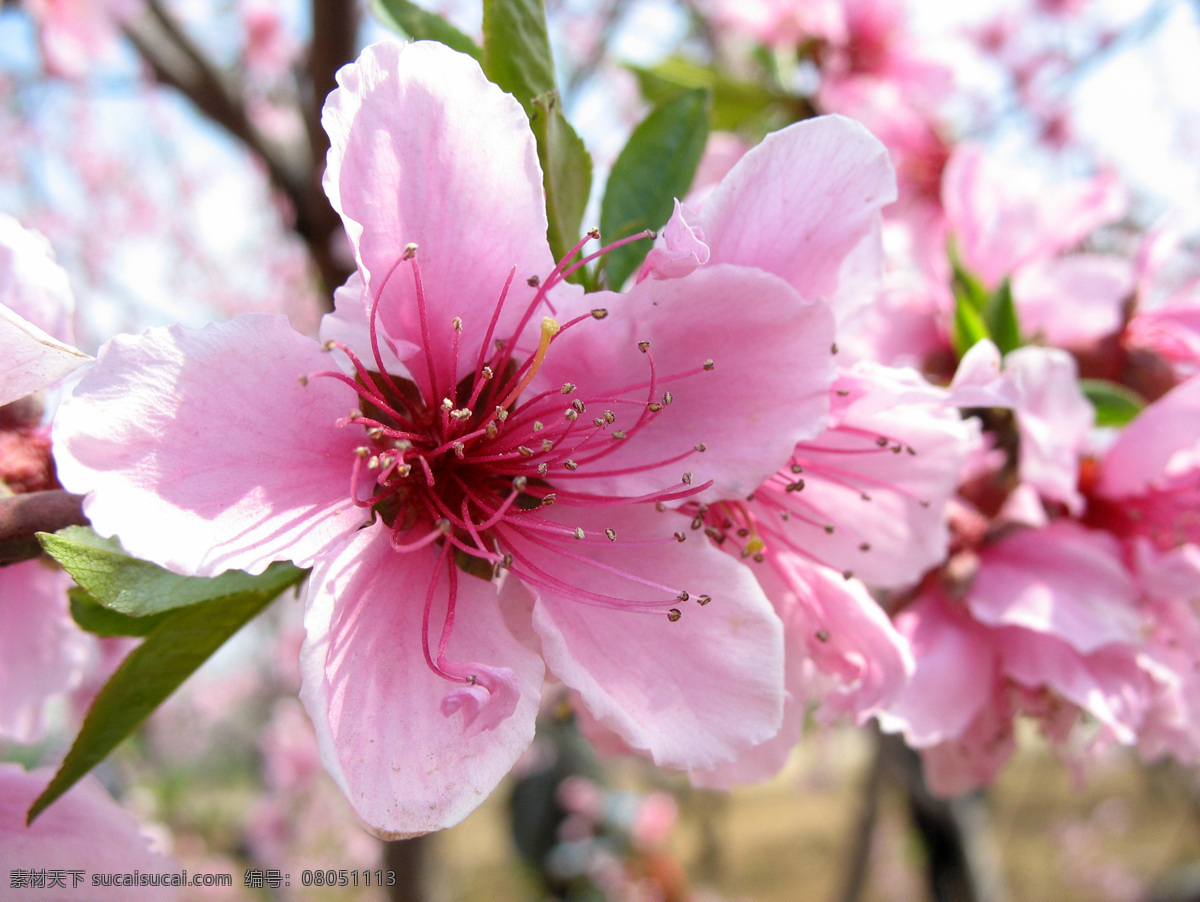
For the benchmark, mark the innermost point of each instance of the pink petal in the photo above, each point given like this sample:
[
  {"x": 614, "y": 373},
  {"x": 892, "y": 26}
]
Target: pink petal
[
  {"x": 84, "y": 831},
  {"x": 1070, "y": 301},
  {"x": 43, "y": 654},
  {"x": 680, "y": 249},
  {"x": 800, "y": 202},
  {"x": 411, "y": 750},
  {"x": 1053, "y": 418},
  {"x": 693, "y": 693},
  {"x": 204, "y": 452},
  {"x": 1063, "y": 581},
  {"x": 425, "y": 150},
  {"x": 766, "y": 381},
  {"x": 31, "y": 360},
  {"x": 32, "y": 284},
  {"x": 1162, "y": 441},
  {"x": 956, "y": 673}
]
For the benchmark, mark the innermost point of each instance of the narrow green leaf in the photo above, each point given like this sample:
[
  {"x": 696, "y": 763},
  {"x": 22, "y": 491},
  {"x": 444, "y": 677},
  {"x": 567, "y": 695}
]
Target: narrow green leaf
[
  {"x": 516, "y": 49},
  {"x": 180, "y": 643},
  {"x": 969, "y": 326},
  {"x": 1115, "y": 404},
  {"x": 1000, "y": 314},
  {"x": 964, "y": 283},
  {"x": 566, "y": 172},
  {"x": 137, "y": 588},
  {"x": 738, "y": 104},
  {"x": 655, "y": 167},
  {"x": 422, "y": 25},
  {"x": 94, "y": 617}
]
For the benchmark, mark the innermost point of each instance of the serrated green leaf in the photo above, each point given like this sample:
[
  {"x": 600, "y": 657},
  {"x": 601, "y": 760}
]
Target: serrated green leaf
[
  {"x": 422, "y": 25},
  {"x": 655, "y": 167},
  {"x": 1000, "y": 315},
  {"x": 180, "y": 643},
  {"x": 737, "y": 104},
  {"x": 969, "y": 326},
  {"x": 95, "y": 618},
  {"x": 516, "y": 49},
  {"x": 138, "y": 588},
  {"x": 1115, "y": 404},
  {"x": 566, "y": 172}
]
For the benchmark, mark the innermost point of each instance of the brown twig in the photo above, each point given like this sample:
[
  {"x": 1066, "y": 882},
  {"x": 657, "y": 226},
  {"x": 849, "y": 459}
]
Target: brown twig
[{"x": 23, "y": 516}]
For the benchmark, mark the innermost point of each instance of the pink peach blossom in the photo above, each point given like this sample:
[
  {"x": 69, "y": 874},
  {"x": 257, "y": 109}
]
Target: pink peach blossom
[{"x": 477, "y": 498}]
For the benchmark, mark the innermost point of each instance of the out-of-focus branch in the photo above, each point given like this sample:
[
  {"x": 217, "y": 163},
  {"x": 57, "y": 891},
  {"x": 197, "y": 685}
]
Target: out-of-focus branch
[
  {"x": 177, "y": 61},
  {"x": 22, "y": 516},
  {"x": 858, "y": 857},
  {"x": 334, "y": 28}
]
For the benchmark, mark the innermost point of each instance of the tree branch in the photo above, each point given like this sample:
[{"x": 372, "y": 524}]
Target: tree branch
[{"x": 22, "y": 516}]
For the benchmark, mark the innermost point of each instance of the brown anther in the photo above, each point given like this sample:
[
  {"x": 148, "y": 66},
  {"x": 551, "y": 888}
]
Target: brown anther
[
  {"x": 643, "y": 346},
  {"x": 491, "y": 430},
  {"x": 538, "y": 425},
  {"x": 506, "y": 562},
  {"x": 847, "y": 574},
  {"x": 487, "y": 372},
  {"x": 785, "y": 515},
  {"x": 447, "y": 404},
  {"x": 543, "y": 469},
  {"x": 533, "y": 281},
  {"x": 579, "y": 405},
  {"x": 681, "y": 536},
  {"x": 524, "y": 452},
  {"x": 758, "y": 558},
  {"x": 833, "y": 348},
  {"x": 612, "y": 534},
  {"x": 668, "y": 397},
  {"x": 548, "y": 499},
  {"x": 593, "y": 232},
  {"x": 547, "y": 445},
  {"x": 654, "y": 407},
  {"x": 896, "y": 449},
  {"x": 687, "y": 478},
  {"x": 910, "y": 449},
  {"x": 459, "y": 450},
  {"x": 570, "y": 465},
  {"x": 842, "y": 392},
  {"x": 674, "y": 614},
  {"x": 881, "y": 442},
  {"x": 457, "y": 323},
  {"x": 571, "y": 414},
  {"x": 599, "y": 313},
  {"x": 520, "y": 483},
  {"x": 598, "y": 422},
  {"x": 659, "y": 506},
  {"x": 375, "y": 433},
  {"x": 303, "y": 380},
  {"x": 923, "y": 502},
  {"x": 697, "y": 523},
  {"x": 829, "y": 528},
  {"x": 356, "y": 414},
  {"x": 579, "y": 533},
  {"x": 796, "y": 468},
  {"x": 743, "y": 532},
  {"x": 362, "y": 451},
  {"x": 796, "y": 486},
  {"x": 700, "y": 446},
  {"x": 864, "y": 496},
  {"x": 501, "y": 414},
  {"x": 443, "y": 525},
  {"x": 683, "y": 595},
  {"x": 610, "y": 417},
  {"x": 410, "y": 251},
  {"x": 567, "y": 388},
  {"x": 618, "y": 433},
  {"x": 865, "y": 546},
  {"x": 708, "y": 364},
  {"x": 822, "y": 635},
  {"x": 463, "y": 413},
  {"x": 329, "y": 345}
]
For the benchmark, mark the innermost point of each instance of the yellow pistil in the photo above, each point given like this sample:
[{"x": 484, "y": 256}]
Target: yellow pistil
[{"x": 550, "y": 328}]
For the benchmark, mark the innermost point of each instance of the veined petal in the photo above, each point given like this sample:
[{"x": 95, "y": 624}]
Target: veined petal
[
  {"x": 693, "y": 693},
  {"x": 31, "y": 360},
  {"x": 407, "y": 761},
  {"x": 425, "y": 150},
  {"x": 800, "y": 202},
  {"x": 772, "y": 365},
  {"x": 203, "y": 451}
]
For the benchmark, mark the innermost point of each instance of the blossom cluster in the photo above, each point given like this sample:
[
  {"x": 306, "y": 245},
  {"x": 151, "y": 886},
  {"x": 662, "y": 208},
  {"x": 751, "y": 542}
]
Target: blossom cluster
[{"x": 829, "y": 450}]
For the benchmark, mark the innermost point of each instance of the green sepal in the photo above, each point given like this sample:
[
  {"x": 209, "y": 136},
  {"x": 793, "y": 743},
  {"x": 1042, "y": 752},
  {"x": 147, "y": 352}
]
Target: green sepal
[
  {"x": 181, "y": 641},
  {"x": 656, "y": 166},
  {"x": 1115, "y": 404},
  {"x": 1001, "y": 316},
  {"x": 421, "y": 25}
]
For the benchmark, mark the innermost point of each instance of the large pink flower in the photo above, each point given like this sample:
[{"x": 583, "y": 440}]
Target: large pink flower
[{"x": 482, "y": 486}]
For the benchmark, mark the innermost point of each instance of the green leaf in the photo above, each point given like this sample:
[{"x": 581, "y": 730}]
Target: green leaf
[
  {"x": 422, "y": 25},
  {"x": 1115, "y": 404},
  {"x": 655, "y": 167},
  {"x": 94, "y": 617},
  {"x": 566, "y": 172},
  {"x": 737, "y": 105},
  {"x": 516, "y": 49},
  {"x": 969, "y": 326},
  {"x": 183, "y": 640},
  {"x": 138, "y": 588},
  {"x": 1000, "y": 314}
]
